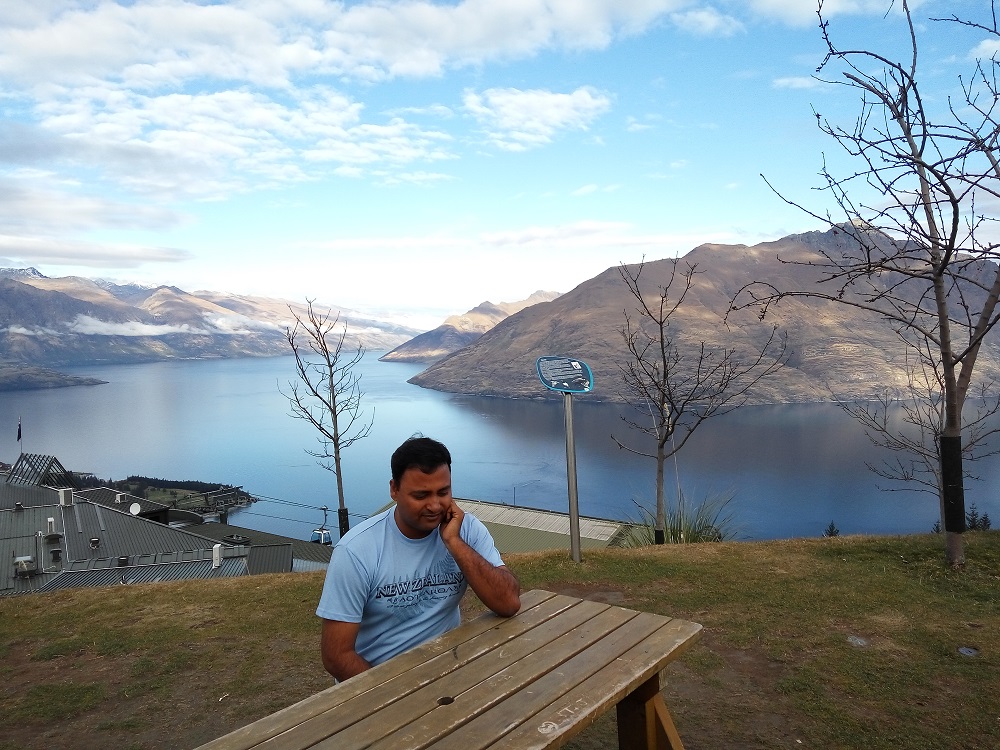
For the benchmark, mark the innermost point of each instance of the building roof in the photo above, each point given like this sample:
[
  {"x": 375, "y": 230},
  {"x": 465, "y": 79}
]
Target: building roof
[
  {"x": 45, "y": 534},
  {"x": 28, "y": 497},
  {"x": 517, "y": 529},
  {"x": 24, "y": 534},
  {"x": 301, "y": 549},
  {"x": 175, "y": 571},
  {"x": 118, "y": 499}
]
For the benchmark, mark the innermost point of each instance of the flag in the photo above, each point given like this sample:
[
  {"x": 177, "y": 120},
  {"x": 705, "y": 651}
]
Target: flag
[{"x": 19, "y": 429}]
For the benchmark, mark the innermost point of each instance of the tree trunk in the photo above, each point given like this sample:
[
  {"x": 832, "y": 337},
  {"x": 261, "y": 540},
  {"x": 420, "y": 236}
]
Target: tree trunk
[{"x": 659, "y": 532}]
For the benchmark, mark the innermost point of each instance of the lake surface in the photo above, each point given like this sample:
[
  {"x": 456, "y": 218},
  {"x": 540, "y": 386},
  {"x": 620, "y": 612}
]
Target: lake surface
[{"x": 791, "y": 469}]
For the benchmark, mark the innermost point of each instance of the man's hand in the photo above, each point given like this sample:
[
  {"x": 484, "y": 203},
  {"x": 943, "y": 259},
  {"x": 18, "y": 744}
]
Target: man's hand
[
  {"x": 495, "y": 586},
  {"x": 451, "y": 524}
]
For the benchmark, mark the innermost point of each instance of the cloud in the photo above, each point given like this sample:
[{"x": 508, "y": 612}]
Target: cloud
[
  {"x": 86, "y": 325},
  {"x": 985, "y": 50},
  {"x": 706, "y": 22},
  {"x": 37, "y": 202},
  {"x": 269, "y": 43},
  {"x": 796, "y": 82},
  {"x": 803, "y": 12},
  {"x": 516, "y": 120},
  {"x": 51, "y": 251}
]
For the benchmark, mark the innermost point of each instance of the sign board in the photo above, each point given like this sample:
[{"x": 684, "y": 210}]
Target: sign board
[{"x": 565, "y": 374}]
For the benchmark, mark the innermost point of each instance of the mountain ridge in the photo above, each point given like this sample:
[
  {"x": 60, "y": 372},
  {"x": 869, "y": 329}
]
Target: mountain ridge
[
  {"x": 835, "y": 351},
  {"x": 58, "y": 322},
  {"x": 459, "y": 331}
]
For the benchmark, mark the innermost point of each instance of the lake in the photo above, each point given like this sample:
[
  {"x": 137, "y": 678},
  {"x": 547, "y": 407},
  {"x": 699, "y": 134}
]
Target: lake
[{"x": 792, "y": 469}]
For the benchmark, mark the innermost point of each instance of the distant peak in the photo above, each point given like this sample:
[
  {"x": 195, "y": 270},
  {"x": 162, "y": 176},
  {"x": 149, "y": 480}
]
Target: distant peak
[{"x": 21, "y": 273}]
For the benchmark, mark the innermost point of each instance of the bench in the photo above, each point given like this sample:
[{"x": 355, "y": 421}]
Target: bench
[{"x": 529, "y": 681}]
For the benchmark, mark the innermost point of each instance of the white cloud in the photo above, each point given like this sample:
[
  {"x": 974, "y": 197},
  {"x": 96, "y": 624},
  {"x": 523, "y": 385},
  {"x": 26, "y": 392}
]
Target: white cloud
[
  {"x": 796, "y": 82},
  {"x": 84, "y": 324},
  {"x": 36, "y": 202},
  {"x": 32, "y": 250},
  {"x": 803, "y": 12},
  {"x": 707, "y": 22},
  {"x": 516, "y": 120},
  {"x": 270, "y": 43},
  {"x": 585, "y": 190},
  {"x": 986, "y": 49}
]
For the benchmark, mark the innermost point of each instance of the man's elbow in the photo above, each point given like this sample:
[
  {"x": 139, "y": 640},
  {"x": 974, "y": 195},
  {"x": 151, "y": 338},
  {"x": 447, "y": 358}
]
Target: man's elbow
[
  {"x": 509, "y": 608},
  {"x": 510, "y": 605}
]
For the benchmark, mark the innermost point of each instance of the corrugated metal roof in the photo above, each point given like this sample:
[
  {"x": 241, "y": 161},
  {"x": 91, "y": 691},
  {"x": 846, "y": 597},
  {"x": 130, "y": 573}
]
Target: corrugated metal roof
[
  {"x": 120, "y": 533},
  {"x": 307, "y": 566},
  {"x": 178, "y": 571},
  {"x": 29, "y": 497},
  {"x": 25, "y": 533},
  {"x": 270, "y": 558},
  {"x": 597, "y": 529},
  {"x": 301, "y": 549},
  {"x": 110, "y": 497}
]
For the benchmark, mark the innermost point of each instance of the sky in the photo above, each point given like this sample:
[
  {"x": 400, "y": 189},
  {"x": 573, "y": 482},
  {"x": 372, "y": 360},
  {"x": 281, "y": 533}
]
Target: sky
[{"x": 418, "y": 158}]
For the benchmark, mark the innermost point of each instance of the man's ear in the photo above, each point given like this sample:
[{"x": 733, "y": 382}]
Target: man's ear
[{"x": 392, "y": 489}]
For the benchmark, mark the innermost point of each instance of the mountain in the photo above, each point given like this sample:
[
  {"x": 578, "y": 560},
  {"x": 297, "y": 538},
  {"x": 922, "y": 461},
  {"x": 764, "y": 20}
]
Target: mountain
[
  {"x": 458, "y": 331},
  {"x": 56, "y": 322},
  {"x": 833, "y": 349}
]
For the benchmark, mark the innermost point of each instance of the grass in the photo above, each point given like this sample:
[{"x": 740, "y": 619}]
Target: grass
[{"x": 174, "y": 665}]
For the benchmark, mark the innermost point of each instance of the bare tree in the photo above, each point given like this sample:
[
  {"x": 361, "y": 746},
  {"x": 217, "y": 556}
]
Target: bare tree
[
  {"x": 328, "y": 392},
  {"x": 674, "y": 386},
  {"x": 923, "y": 258},
  {"x": 908, "y": 422}
]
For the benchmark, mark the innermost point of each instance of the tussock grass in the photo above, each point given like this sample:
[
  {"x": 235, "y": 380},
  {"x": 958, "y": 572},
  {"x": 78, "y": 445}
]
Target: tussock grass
[{"x": 173, "y": 665}]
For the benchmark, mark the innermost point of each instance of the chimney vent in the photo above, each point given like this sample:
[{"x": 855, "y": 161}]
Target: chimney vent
[
  {"x": 123, "y": 561},
  {"x": 120, "y": 497},
  {"x": 217, "y": 556},
  {"x": 19, "y": 506},
  {"x": 66, "y": 496},
  {"x": 95, "y": 542},
  {"x": 50, "y": 525}
]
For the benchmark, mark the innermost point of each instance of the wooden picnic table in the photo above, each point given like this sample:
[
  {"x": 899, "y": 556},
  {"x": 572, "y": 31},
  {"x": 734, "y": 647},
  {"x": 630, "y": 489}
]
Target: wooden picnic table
[{"x": 529, "y": 681}]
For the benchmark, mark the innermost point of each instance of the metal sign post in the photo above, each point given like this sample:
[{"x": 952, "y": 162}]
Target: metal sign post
[{"x": 568, "y": 376}]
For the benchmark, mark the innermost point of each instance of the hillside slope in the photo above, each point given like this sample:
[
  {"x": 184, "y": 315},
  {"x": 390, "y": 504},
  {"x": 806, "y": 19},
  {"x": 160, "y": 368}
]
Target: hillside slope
[{"x": 834, "y": 350}]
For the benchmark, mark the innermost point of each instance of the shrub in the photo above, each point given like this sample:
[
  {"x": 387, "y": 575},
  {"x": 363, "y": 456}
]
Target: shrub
[{"x": 685, "y": 523}]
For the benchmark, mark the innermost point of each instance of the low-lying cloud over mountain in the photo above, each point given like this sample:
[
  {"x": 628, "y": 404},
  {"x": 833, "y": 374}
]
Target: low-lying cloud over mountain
[{"x": 56, "y": 322}]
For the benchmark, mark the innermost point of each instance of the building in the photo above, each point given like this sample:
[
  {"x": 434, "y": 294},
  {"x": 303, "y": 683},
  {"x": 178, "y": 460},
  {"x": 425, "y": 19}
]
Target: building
[{"x": 55, "y": 536}]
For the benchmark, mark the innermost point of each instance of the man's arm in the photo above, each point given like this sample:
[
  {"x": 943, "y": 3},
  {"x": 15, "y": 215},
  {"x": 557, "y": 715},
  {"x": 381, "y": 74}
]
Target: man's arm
[
  {"x": 495, "y": 586},
  {"x": 337, "y": 647}
]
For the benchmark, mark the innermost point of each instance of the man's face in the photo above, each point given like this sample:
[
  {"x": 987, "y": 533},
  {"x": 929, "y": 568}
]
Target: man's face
[{"x": 421, "y": 500}]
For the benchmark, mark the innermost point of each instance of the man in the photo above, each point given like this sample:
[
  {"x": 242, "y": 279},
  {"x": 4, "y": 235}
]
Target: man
[{"x": 396, "y": 580}]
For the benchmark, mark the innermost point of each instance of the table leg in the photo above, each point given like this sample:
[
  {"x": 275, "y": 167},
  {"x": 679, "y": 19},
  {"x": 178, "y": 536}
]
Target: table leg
[{"x": 644, "y": 723}]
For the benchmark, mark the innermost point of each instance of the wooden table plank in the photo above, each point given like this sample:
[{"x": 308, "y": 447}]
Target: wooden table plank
[
  {"x": 536, "y": 606},
  {"x": 581, "y": 705},
  {"x": 527, "y": 682},
  {"x": 451, "y": 683},
  {"x": 486, "y": 729},
  {"x": 494, "y": 686}
]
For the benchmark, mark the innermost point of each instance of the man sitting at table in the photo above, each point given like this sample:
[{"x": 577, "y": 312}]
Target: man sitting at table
[{"x": 395, "y": 580}]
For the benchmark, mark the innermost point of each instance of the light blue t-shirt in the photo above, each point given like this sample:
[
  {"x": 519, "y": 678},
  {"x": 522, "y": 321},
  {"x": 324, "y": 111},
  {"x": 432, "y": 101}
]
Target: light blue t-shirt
[{"x": 403, "y": 591}]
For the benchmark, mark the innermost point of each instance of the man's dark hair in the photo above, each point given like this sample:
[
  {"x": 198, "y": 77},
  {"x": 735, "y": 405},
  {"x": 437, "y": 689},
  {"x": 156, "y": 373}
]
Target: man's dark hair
[{"x": 420, "y": 452}]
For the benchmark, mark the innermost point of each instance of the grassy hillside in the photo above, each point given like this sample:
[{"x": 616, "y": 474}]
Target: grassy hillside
[{"x": 848, "y": 642}]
